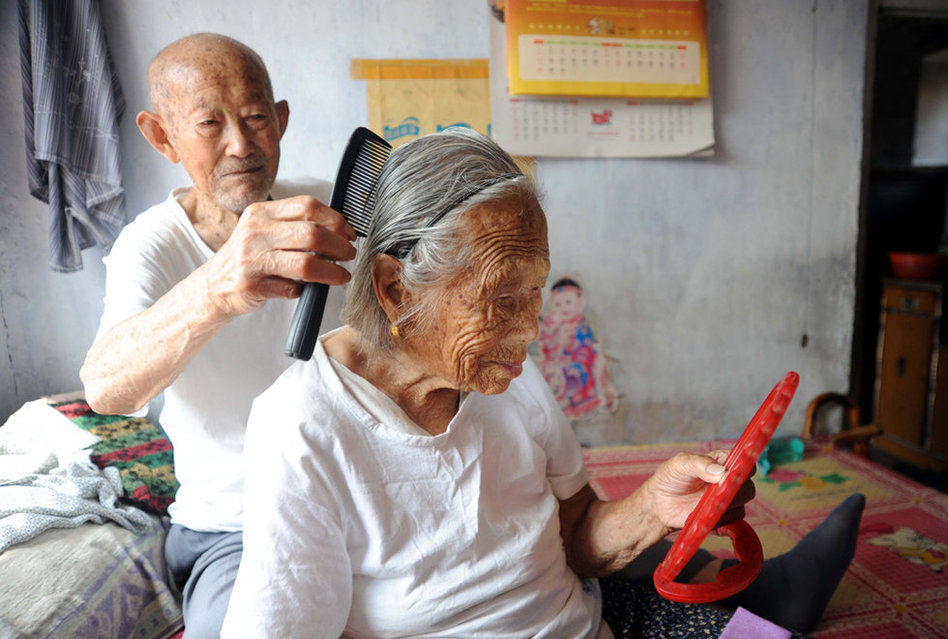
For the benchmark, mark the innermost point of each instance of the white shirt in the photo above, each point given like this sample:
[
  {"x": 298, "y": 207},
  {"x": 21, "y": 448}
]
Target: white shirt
[
  {"x": 354, "y": 528},
  {"x": 206, "y": 407}
]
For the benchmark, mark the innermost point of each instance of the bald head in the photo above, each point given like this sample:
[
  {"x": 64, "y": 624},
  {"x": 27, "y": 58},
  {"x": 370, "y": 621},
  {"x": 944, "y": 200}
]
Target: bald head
[
  {"x": 214, "y": 113},
  {"x": 201, "y": 58}
]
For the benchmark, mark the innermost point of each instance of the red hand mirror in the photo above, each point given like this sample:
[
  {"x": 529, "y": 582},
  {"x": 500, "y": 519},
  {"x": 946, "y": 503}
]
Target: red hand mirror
[{"x": 739, "y": 463}]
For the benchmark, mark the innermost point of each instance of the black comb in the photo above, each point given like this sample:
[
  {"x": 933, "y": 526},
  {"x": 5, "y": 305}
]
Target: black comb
[{"x": 352, "y": 196}]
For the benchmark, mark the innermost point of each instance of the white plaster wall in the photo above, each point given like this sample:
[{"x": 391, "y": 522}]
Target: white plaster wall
[
  {"x": 703, "y": 276},
  {"x": 47, "y": 319},
  {"x": 706, "y": 275}
]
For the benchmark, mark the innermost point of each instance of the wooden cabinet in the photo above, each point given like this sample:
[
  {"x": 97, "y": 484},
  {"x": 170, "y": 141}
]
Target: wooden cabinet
[{"x": 912, "y": 381}]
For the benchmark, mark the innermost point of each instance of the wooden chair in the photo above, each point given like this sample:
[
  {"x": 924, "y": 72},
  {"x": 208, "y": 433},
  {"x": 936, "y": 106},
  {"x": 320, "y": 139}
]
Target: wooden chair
[{"x": 854, "y": 433}]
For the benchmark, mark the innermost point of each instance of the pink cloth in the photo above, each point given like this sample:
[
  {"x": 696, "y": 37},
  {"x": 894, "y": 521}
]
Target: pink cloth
[{"x": 747, "y": 625}]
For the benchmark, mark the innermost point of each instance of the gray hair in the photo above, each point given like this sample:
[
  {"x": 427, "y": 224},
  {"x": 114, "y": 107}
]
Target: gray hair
[{"x": 423, "y": 193}]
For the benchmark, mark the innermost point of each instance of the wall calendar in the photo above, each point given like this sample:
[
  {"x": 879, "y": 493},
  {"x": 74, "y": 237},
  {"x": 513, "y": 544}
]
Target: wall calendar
[
  {"x": 607, "y": 48},
  {"x": 582, "y": 126}
]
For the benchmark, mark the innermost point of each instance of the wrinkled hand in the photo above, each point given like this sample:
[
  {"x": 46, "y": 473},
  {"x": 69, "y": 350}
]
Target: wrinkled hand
[
  {"x": 678, "y": 484},
  {"x": 276, "y": 245}
]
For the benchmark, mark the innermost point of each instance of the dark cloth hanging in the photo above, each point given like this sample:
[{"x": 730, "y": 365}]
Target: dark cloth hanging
[{"x": 72, "y": 103}]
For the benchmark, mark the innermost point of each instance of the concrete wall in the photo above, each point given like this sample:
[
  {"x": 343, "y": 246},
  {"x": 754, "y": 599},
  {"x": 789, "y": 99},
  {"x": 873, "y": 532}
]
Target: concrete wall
[
  {"x": 706, "y": 279},
  {"x": 47, "y": 319}
]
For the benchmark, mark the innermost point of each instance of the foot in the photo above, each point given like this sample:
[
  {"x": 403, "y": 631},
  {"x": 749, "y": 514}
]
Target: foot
[{"x": 793, "y": 589}]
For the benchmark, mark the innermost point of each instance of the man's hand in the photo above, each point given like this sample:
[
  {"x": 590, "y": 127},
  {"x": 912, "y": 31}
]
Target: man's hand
[{"x": 276, "y": 245}]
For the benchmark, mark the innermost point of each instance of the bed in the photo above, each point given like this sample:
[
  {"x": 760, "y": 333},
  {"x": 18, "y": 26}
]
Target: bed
[
  {"x": 96, "y": 580},
  {"x": 101, "y": 580}
]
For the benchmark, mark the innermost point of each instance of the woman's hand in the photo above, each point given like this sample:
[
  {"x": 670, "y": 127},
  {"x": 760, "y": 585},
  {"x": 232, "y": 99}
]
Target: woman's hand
[
  {"x": 601, "y": 537},
  {"x": 675, "y": 488}
]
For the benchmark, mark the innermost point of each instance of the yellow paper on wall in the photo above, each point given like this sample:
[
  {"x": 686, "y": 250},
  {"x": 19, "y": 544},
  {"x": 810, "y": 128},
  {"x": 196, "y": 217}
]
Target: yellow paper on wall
[
  {"x": 607, "y": 48},
  {"x": 410, "y": 98}
]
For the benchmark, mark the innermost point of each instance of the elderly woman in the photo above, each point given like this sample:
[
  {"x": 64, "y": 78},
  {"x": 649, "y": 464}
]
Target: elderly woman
[{"x": 416, "y": 477}]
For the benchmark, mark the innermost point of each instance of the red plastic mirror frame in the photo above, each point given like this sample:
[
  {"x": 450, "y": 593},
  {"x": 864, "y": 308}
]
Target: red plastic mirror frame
[{"x": 740, "y": 463}]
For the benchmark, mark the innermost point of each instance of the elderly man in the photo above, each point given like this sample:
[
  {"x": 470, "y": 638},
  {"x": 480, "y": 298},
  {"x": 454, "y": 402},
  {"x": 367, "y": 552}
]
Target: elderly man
[{"x": 197, "y": 296}]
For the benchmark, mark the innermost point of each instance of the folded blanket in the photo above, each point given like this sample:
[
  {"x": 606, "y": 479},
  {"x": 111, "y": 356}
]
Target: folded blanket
[
  {"x": 38, "y": 429},
  {"x": 64, "y": 498},
  {"x": 40, "y": 489},
  {"x": 138, "y": 448}
]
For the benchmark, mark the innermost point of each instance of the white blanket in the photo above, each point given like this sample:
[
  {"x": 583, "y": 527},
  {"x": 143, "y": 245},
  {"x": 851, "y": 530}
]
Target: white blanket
[{"x": 47, "y": 480}]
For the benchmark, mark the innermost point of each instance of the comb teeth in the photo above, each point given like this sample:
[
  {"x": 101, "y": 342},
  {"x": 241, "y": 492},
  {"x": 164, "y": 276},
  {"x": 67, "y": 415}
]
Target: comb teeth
[
  {"x": 353, "y": 194},
  {"x": 360, "y": 196}
]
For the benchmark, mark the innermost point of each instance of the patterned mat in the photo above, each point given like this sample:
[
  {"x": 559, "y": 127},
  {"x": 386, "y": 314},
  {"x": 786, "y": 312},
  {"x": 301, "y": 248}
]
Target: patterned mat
[
  {"x": 897, "y": 585},
  {"x": 138, "y": 448}
]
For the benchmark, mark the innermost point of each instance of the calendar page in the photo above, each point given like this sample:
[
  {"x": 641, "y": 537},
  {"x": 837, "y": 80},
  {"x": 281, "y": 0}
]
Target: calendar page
[
  {"x": 607, "y": 48},
  {"x": 552, "y": 126}
]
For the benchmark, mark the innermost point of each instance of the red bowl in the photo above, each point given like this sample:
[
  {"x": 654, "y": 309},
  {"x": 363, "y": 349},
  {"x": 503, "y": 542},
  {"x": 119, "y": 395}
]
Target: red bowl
[{"x": 918, "y": 266}]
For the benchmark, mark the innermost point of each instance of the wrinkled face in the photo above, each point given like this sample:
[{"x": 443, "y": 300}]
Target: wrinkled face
[
  {"x": 226, "y": 130},
  {"x": 490, "y": 315}
]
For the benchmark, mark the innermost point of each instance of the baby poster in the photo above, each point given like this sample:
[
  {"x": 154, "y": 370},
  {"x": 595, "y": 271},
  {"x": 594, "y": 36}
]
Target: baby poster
[{"x": 570, "y": 356}]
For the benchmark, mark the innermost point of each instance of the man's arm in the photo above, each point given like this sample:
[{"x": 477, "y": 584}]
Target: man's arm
[
  {"x": 601, "y": 537},
  {"x": 274, "y": 246}
]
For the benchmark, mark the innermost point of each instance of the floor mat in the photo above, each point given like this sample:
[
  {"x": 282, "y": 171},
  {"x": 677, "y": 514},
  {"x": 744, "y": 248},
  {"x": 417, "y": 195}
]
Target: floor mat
[{"x": 897, "y": 585}]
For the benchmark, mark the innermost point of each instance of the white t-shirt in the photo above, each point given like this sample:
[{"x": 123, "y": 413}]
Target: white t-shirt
[
  {"x": 205, "y": 409},
  {"x": 359, "y": 529}
]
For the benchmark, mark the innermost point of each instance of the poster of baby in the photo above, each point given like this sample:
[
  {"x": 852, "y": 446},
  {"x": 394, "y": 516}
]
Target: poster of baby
[{"x": 572, "y": 361}]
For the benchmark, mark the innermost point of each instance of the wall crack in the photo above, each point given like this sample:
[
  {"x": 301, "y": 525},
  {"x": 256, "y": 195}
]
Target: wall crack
[{"x": 6, "y": 338}]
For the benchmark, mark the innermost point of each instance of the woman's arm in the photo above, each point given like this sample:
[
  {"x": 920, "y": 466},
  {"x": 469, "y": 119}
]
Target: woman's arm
[{"x": 601, "y": 537}]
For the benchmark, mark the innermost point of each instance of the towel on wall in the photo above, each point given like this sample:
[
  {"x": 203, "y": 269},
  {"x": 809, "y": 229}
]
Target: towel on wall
[
  {"x": 72, "y": 103},
  {"x": 56, "y": 497}
]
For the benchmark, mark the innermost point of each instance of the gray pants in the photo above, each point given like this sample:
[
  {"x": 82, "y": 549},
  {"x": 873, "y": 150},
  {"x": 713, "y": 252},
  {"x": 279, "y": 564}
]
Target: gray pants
[{"x": 204, "y": 566}]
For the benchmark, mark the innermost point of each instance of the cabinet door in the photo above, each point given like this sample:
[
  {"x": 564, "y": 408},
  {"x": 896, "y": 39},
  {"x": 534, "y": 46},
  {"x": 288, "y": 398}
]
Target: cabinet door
[{"x": 903, "y": 375}]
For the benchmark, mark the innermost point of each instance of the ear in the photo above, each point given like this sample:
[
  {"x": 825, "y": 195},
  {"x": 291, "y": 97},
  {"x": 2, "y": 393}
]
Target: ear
[
  {"x": 387, "y": 281},
  {"x": 155, "y": 130},
  {"x": 283, "y": 115}
]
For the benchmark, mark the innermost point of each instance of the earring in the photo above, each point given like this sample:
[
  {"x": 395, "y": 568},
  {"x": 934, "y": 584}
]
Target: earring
[{"x": 394, "y": 331}]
